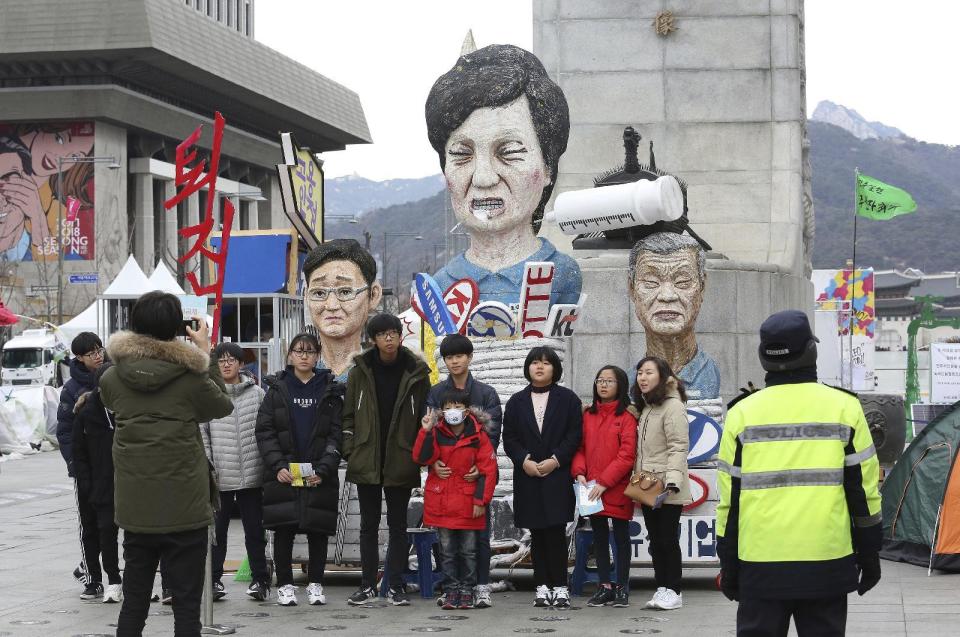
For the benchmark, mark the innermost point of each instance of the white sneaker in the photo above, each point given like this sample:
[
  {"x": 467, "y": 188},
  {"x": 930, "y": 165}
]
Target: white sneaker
[
  {"x": 542, "y": 598},
  {"x": 669, "y": 600},
  {"x": 113, "y": 594},
  {"x": 315, "y": 594},
  {"x": 482, "y": 596},
  {"x": 561, "y": 597},
  {"x": 287, "y": 595},
  {"x": 656, "y": 598}
]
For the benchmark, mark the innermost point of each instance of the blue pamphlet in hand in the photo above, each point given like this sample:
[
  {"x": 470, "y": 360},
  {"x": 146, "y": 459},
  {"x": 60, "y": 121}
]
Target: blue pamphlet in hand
[
  {"x": 660, "y": 498},
  {"x": 586, "y": 506}
]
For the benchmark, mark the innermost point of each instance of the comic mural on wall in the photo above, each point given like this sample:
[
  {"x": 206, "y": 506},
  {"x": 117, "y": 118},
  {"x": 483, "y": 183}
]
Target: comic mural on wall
[{"x": 31, "y": 197}]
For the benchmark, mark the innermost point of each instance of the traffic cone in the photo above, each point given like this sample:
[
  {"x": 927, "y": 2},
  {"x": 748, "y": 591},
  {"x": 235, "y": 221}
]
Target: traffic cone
[{"x": 243, "y": 573}]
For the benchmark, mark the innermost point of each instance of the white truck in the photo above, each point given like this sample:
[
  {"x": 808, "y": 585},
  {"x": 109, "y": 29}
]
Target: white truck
[{"x": 32, "y": 358}]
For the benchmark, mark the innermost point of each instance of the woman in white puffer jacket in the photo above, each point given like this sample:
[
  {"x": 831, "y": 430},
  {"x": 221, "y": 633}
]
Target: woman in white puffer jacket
[{"x": 231, "y": 446}]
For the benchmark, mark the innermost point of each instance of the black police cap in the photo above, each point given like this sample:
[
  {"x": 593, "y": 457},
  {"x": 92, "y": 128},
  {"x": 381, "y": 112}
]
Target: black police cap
[{"x": 786, "y": 336}]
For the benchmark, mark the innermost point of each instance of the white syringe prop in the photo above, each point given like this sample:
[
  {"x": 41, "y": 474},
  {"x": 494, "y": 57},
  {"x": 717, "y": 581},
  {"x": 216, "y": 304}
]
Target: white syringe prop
[{"x": 642, "y": 202}]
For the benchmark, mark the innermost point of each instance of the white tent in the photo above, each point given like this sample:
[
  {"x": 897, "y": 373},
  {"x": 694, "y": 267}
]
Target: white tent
[
  {"x": 162, "y": 279},
  {"x": 85, "y": 321},
  {"x": 130, "y": 281}
]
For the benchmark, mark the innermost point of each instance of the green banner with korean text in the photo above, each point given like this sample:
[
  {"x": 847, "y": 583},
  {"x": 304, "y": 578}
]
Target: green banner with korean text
[{"x": 880, "y": 201}]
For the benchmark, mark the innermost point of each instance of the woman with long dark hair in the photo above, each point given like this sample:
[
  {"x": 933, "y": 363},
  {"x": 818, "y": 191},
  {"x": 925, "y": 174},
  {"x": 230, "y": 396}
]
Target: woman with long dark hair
[
  {"x": 662, "y": 448},
  {"x": 606, "y": 457},
  {"x": 299, "y": 422},
  {"x": 541, "y": 434}
]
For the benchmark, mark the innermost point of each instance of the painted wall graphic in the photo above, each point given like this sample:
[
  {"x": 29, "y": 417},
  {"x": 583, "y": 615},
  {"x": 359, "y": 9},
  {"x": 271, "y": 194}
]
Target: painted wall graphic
[
  {"x": 843, "y": 292},
  {"x": 834, "y": 285},
  {"x": 32, "y": 202}
]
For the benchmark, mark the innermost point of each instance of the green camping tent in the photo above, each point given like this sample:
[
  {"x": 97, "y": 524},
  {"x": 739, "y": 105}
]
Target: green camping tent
[{"x": 921, "y": 498}]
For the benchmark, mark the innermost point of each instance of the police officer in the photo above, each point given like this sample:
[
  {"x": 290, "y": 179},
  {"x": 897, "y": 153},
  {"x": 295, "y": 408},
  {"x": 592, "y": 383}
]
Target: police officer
[{"x": 798, "y": 523}]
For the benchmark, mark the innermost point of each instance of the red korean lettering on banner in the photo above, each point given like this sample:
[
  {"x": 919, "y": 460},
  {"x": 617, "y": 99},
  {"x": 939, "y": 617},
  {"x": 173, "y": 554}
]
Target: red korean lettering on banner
[{"x": 191, "y": 176}]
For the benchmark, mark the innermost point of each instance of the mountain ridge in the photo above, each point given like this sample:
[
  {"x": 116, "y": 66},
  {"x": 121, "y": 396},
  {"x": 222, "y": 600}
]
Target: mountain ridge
[
  {"x": 923, "y": 240},
  {"x": 853, "y": 122}
]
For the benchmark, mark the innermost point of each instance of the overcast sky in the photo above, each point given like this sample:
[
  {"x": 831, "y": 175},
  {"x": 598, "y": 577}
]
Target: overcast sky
[{"x": 893, "y": 61}]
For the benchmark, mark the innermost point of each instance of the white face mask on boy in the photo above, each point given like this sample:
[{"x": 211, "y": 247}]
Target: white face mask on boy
[{"x": 454, "y": 416}]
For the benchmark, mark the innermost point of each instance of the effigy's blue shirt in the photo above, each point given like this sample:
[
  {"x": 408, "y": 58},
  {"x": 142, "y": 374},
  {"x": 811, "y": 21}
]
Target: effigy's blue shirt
[
  {"x": 504, "y": 285},
  {"x": 701, "y": 377},
  {"x": 342, "y": 378}
]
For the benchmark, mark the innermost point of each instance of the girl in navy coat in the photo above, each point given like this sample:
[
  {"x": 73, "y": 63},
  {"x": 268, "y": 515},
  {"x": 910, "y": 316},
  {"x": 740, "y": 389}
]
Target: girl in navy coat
[{"x": 541, "y": 433}]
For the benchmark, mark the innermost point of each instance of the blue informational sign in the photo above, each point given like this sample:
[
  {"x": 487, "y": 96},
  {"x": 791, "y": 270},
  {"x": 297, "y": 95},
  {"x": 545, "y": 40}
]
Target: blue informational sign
[
  {"x": 435, "y": 311},
  {"x": 91, "y": 277}
]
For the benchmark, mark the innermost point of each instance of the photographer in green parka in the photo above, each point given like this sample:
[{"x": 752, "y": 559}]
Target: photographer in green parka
[{"x": 160, "y": 389}]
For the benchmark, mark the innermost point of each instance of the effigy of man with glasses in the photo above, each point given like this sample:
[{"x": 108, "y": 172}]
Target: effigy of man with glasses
[{"x": 341, "y": 291}]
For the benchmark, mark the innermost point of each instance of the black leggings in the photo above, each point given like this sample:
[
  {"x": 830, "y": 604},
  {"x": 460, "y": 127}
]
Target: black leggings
[
  {"x": 251, "y": 514},
  {"x": 548, "y": 549},
  {"x": 283, "y": 555},
  {"x": 663, "y": 528},
  {"x": 398, "y": 547},
  {"x": 601, "y": 547}
]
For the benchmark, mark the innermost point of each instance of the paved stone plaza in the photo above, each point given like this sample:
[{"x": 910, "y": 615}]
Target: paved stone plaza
[{"x": 39, "y": 549}]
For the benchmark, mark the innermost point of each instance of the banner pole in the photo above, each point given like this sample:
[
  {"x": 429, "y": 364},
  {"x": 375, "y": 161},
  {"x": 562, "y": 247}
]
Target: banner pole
[{"x": 853, "y": 273}]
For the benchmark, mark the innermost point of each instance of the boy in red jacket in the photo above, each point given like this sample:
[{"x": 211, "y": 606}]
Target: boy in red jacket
[{"x": 454, "y": 505}]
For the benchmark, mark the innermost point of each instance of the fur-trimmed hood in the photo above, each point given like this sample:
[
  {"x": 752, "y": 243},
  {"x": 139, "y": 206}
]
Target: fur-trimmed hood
[
  {"x": 148, "y": 364},
  {"x": 82, "y": 400},
  {"x": 482, "y": 418}
]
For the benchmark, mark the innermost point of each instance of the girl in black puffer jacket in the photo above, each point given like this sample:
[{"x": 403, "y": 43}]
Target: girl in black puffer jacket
[{"x": 299, "y": 422}]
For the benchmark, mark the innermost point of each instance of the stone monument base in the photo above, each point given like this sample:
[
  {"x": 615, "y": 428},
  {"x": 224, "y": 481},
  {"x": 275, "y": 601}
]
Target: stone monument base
[{"x": 737, "y": 298}]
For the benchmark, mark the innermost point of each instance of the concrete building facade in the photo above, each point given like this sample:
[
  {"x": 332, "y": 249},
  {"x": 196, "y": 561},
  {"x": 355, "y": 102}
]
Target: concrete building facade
[
  {"x": 721, "y": 95},
  {"x": 235, "y": 14},
  {"x": 136, "y": 77},
  {"x": 718, "y": 87}
]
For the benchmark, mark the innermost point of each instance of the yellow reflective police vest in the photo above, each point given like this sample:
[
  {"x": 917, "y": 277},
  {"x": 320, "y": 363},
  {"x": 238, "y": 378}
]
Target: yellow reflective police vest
[{"x": 781, "y": 462}]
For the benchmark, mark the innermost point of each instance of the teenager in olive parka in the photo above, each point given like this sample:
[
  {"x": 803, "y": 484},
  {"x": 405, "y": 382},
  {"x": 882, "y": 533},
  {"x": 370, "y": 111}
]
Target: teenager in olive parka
[{"x": 386, "y": 397}]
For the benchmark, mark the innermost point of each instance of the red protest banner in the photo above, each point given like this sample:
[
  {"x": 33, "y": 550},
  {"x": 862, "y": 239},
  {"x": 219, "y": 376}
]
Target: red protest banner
[{"x": 191, "y": 176}]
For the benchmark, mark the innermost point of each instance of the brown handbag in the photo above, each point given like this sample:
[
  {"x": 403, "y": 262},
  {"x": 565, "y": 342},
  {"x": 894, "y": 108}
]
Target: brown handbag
[{"x": 644, "y": 486}]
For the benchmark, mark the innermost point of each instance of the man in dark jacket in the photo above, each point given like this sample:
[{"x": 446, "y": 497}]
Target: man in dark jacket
[
  {"x": 88, "y": 356},
  {"x": 457, "y": 353},
  {"x": 93, "y": 430},
  {"x": 386, "y": 394},
  {"x": 160, "y": 389}
]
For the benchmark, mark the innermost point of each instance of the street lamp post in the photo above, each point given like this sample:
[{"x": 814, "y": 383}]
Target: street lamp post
[
  {"x": 113, "y": 165},
  {"x": 443, "y": 248},
  {"x": 350, "y": 219},
  {"x": 347, "y": 218},
  {"x": 415, "y": 236}
]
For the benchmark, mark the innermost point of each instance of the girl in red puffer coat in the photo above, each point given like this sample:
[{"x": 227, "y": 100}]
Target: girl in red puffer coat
[{"x": 606, "y": 456}]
